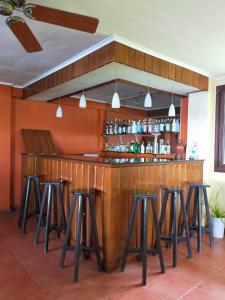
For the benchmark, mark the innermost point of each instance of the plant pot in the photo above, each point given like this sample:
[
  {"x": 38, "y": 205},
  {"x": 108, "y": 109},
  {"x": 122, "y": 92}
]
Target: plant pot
[{"x": 218, "y": 227}]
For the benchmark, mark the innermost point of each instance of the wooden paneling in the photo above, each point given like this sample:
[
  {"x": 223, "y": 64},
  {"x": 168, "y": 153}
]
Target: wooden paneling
[
  {"x": 117, "y": 52},
  {"x": 115, "y": 186},
  {"x": 38, "y": 141}
]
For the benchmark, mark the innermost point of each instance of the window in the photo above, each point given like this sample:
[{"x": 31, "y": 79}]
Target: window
[{"x": 219, "y": 162}]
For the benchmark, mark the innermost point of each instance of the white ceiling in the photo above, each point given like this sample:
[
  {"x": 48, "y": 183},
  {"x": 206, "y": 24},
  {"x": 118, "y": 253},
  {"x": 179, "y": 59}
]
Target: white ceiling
[
  {"x": 190, "y": 33},
  {"x": 59, "y": 44},
  {"x": 131, "y": 95}
]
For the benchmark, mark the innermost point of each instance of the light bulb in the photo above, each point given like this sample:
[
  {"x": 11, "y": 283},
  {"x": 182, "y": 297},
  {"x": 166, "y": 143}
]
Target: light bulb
[
  {"x": 59, "y": 113},
  {"x": 82, "y": 102},
  {"x": 148, "y": 100},
  {"x": 171, "y": 112},
  {"x": 115, "y": 100}
]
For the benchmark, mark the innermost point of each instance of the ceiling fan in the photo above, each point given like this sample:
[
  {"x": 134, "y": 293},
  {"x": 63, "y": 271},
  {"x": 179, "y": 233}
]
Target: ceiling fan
[{"x": 44, "y": 14}]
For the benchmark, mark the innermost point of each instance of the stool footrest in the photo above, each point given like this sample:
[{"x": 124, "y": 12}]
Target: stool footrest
[{"x": 151, "y": 251}]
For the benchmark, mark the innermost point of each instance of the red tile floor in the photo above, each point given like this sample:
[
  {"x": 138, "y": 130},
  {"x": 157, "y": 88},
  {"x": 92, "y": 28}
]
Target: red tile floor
[{"x": 26, "y": 273}]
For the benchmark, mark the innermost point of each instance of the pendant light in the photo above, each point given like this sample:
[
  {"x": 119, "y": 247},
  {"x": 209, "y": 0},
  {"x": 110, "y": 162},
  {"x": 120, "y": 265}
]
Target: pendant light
[
  {"x": 171, "y": 112},
  {"x": 116, "y": 98},
  {"x": 82, "y": 102},
  {"x": 148, "y": 100},
  {"x": 59, "y": 113}
]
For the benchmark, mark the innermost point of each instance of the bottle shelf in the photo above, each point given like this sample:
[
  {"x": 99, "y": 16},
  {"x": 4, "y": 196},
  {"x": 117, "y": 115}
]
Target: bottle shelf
[
  {"x": 140, "y": 134},
  {"x": 138, "y": 155}
]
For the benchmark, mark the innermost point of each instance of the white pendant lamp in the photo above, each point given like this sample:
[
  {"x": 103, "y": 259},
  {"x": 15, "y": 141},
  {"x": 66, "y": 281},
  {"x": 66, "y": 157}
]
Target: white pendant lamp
[
  {"x": 82, "y": 102},
  {"x": 171, "y": 112},
  {"x": 116, "y": 98},
  {"x": 148, "y": 100},
  {"x": 59, "y": 112}
]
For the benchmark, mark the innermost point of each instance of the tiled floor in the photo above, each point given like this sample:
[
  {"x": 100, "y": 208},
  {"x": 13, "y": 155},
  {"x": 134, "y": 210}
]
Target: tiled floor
[{"x": 27, "y": 273}]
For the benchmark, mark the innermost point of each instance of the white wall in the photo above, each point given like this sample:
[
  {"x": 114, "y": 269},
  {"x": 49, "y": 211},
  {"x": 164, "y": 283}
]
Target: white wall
[{"x": 201, "y": 128}]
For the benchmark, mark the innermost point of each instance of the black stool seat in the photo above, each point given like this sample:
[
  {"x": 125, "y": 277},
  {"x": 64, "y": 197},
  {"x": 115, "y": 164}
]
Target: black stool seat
[
  {"x": 81, "y": 196},
  {"x": 145, "y": 197},
  {"x": 53, "y": 182},
  {"x": 200, "y": 198},
  {"x": 173, "y": 237},
  {"x": 52, "y": 192},
  {"x": 173, "y": 188},
  {"x": 145, "y": 194},
  {"x": 26, "y": 199},
  {"x": 83, "y": 192},
  {"x": 199, "y": 184}
]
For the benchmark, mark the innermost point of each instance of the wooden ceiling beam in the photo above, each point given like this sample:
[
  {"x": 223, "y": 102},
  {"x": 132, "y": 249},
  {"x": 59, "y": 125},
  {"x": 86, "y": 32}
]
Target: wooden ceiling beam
[{"x": 117, "y": 52}]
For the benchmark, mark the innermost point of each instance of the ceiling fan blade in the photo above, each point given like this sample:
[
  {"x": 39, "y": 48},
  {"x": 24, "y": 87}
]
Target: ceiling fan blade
[
  {"x": 61, "y": 18},
  {"x": 23, "y": 33}
]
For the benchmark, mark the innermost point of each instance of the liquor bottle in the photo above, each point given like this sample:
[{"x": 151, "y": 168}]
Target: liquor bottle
[
  {"x": 115, "y": 127},
  {"x": 132, "y": 147},
  {"x": 138, "y": 126},
  {"x": 129, "y": 127},
  {"x": 107, "y": 128},
  {"x": 143, "y": 147},
  {"x": 148, "y": 148},
  {"x": 145, "y": 126},
  {"x": 134, "y": 127},
  {"x": 124, "y": 127},
  {"x": 120, "y": 128},
  {"x": 177, "y": 125},
  {"x": 167, "y": 125},
  {"x": 156, "y": 127},
  {"x": 161, "y": 125},
  {"x": 111, "y": 128},
  {"x": 174, "y": 125}
]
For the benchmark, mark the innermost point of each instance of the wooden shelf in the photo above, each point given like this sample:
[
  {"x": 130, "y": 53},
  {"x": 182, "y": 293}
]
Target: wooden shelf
[{"x": 141, "y": 134}]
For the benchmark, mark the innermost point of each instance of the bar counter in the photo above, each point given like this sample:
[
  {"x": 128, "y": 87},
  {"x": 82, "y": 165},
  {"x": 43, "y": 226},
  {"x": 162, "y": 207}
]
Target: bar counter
[{"x": 115, "y": 181}]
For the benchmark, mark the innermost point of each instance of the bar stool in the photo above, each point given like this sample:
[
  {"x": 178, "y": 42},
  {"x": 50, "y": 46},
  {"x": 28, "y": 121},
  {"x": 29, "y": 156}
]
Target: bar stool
[
  {"x": 81, "y": 196},
  {"x": 173, "y": 226},
  {"x": 24, "y": 214},
  {"x": 200, "y": 192},
  {"x": 52, "y": 191},
  {"x": 145, "y": 197}
]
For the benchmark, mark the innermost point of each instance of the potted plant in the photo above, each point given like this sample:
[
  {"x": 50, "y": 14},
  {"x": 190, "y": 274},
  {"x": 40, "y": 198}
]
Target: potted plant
[{"x": 217, "y": 217}]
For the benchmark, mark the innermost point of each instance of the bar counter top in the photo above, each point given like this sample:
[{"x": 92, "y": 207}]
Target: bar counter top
[{"x": 114, "y": 162}]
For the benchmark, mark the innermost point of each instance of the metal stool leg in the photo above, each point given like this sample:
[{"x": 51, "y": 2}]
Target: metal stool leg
[
  {"x": 67, "y": 235},
  {"x": 163, "y": 210},
  {"x": 199, "y": 221},
  {"x": 25, "y": 208},
  {"x": 78, "y": 233},
  {"x": 37, "y": 194},
  {"x": 95, "y": 233},
  {"x": 38, "y": 229},
  {"x": 169, "y": 242},
  {"x": 174, "y": 209},
  {"x": 208, "y": 216},
  {"x": 185, "y": 222},
  {"x": 194, "y": 215},
  {"x": 130, "y": 229},
  {"x": 187, "y": 209},
  {"x": 55, "y": 209},
  {"x": 63, "y": 215},
  {"x": 158, "y": 241},
  {"x": 48, "y": 218},
  {"x": 23, "y": 202},
  {"x": 144, "y": 249}
]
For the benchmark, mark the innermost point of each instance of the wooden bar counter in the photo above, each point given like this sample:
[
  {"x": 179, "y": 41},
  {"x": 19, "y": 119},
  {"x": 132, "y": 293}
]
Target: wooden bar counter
[{"x": 115, "y": 180}]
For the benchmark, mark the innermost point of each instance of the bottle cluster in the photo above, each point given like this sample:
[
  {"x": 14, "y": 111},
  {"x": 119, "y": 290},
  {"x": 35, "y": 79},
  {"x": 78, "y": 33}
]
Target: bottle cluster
[
  {"x": 147, "y": 126},
  {"x": 135, "y": 147}
]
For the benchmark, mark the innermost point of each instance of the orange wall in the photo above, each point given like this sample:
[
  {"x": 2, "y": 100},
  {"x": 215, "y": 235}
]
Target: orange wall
[
  {"x": 76, "y": 132},
  {"x": 5, "y": 146}
]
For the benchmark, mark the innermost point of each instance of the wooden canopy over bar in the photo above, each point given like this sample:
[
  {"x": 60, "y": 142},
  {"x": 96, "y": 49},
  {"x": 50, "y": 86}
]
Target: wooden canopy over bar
[{"x": 117, "y": 52}]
